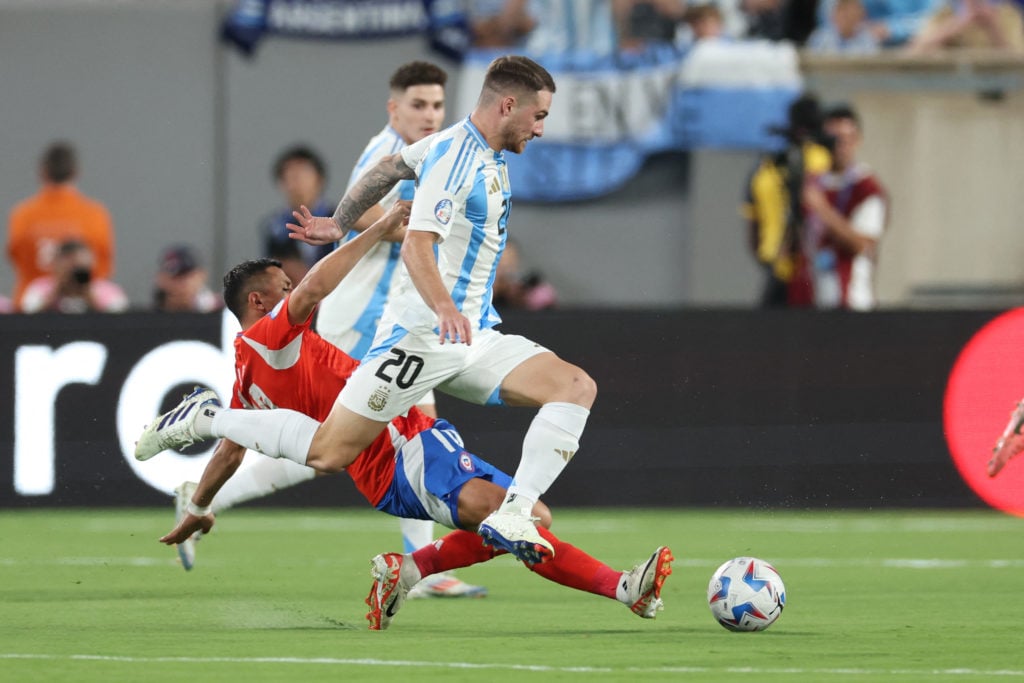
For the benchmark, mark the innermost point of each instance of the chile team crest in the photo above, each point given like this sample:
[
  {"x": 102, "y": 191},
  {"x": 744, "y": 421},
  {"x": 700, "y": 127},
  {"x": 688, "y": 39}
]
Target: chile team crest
[{"x": 466, "y": 462}]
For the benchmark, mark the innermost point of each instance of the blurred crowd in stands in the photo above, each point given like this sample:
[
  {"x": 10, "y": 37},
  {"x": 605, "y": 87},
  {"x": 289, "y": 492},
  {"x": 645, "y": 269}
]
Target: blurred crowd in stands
[
  {"x": 819, "y": 26},
  {"x": 816, "y": 212},
  {"x": 60, "y": 244}
]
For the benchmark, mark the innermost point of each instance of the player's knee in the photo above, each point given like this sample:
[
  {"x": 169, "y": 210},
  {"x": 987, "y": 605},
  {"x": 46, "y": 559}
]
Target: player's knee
[
  {"x": 329, "y": 460},
  {"x": 580, "y": 387}
]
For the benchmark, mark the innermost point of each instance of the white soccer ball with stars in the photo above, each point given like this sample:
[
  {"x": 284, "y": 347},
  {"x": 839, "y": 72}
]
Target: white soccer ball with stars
[{"x": 746, "y": 594}]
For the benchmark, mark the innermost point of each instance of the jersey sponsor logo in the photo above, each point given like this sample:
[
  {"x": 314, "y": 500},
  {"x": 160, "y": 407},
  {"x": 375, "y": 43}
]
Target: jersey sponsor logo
[
  {"x": 495, "y": 186},
  {"x": 466, "y": 462},
  {"x": 443, "y": 211},
  {"x": 378, "y": 399}
]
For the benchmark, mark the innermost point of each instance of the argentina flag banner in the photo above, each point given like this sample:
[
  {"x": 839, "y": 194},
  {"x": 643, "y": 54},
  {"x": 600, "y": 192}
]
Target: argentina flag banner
[
  {"x": 611, "y": 112},
  {"x": 250, "y": 20}
]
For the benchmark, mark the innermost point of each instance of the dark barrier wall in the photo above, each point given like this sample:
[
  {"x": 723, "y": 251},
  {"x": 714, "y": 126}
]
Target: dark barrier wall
[{"x": 694, "y": 408}]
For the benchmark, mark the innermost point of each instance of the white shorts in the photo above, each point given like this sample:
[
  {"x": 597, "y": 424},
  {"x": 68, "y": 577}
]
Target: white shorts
[{"x": 389, "y": 382}]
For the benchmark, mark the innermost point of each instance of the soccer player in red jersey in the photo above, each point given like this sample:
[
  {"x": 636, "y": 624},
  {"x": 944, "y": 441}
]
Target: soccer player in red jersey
[{"x": 416, "y": 468}]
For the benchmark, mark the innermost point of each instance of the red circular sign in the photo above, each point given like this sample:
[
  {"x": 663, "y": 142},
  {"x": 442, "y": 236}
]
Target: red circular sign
[{"x": 984, "y": 387}]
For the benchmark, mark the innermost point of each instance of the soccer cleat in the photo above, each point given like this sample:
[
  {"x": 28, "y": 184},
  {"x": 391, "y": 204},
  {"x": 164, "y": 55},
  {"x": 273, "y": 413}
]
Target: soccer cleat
[
  {"x": 445, "y": 585},
  {"x": 187, "y": 549},
  {"x": 1010, "y": 444},
  {"x": 176, "y": 428},
  {"x": 388, "y": 592},
  {"x": 643, "y": 583},
  {"x": 516, "y": 534}
]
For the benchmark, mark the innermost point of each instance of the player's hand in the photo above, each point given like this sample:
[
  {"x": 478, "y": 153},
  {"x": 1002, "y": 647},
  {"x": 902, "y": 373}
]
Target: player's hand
[
  {"x": 188, "y": 525},
  {"x": 1004, "y": 451},
  {"x": 315, "y": 230},
  {"x": 396, "y": 219},
  {"x": 454, "y": 327}
]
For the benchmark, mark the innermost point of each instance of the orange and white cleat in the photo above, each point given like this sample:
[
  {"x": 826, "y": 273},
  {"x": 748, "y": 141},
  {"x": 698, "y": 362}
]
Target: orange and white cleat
[
  {"x": 643, "y": 583},
  {"x": 1010, "y": 444},
  {"x": 389, "y": 590}
]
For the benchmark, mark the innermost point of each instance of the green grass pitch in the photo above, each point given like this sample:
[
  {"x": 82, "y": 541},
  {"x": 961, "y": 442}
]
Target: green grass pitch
[{"x": 89, "y": 595}]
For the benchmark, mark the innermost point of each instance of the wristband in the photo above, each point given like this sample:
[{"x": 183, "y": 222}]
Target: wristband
[{"x": 194, "y": 509}]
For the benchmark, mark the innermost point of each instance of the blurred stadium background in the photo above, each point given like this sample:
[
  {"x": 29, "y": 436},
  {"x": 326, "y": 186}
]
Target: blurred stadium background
[{"x": 703, "y": 400}]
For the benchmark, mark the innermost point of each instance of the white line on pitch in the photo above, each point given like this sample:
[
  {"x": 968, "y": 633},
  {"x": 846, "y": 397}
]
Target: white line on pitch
[{"x": 518, "y": 667}]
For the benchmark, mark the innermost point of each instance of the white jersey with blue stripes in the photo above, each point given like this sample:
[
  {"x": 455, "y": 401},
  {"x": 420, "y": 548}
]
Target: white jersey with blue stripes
[
  {"x": 348, "y": 317},
  {"x": 463, "y": 196}
]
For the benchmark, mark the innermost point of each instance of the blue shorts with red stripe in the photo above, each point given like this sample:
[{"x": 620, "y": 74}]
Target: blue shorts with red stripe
[{"x": 430, "y": 471}]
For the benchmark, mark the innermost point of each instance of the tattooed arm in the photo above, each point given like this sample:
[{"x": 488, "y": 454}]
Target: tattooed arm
[{"x": 370, "y": 189}]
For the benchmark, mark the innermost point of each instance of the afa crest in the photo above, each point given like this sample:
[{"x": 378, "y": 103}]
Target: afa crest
[{"x": 378, "y": 399}]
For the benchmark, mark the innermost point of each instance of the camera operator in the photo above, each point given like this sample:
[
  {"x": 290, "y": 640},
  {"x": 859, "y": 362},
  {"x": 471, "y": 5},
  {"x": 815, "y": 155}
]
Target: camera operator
[
  {"x": 848, "y": 212},
  {"x": 774, "y": 208},
  {"x": 71, "y": 286}
]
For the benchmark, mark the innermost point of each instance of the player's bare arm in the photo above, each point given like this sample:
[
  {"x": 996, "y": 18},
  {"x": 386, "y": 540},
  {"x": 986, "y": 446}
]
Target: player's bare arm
[
  {"x": 369, "y": 218},
  {"x": 837, "y": 224},
  {"x": 370, "y": 189},
  {"x": 419, "y": 259},
  {"x": 332, "y": 269},
  {"x": 225, "y": 461}
]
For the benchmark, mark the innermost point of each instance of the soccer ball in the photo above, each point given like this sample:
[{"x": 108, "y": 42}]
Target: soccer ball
[{"x": 746, "y": 594}]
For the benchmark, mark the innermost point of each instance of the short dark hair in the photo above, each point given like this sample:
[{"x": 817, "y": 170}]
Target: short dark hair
[
  {"x": 515, "y": 72},
  {"x": 60, "y": 162},
  {"x": 417, "y": 73},
  {"x": 242, "y": 279},
  {"x": 300, "y": 153},
  {"x": 699, "y": 12},
  {"x": 843, "y": 111}
]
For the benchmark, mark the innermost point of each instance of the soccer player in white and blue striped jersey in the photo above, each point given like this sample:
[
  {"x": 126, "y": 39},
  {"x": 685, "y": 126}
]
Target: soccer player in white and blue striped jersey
[
  {"x": 348, "y": 316},
  {"x": 438, "y": 328}
]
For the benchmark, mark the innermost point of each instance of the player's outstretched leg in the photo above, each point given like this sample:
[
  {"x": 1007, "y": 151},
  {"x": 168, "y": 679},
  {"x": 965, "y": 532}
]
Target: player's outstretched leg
[
  {"x": 392, "y": 579},
  {"x": 516, "y": 534},
  {"x": 1010, "y": 444},
  {"x": 642, "y": 584},
  {"x": 178, "y": 427},
  {"x": 418, "y": 533},
  {"x": 187, "y": 549}
]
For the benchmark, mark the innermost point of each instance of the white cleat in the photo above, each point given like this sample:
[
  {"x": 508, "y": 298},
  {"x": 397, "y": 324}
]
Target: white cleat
[
  {"x": 516, "y": 534},
  {"x": 187, "y": 549},
  {"x": 176, "y": 428},
  {"x": 445, "y": 585},
  {"x": 643, "y": 583}
]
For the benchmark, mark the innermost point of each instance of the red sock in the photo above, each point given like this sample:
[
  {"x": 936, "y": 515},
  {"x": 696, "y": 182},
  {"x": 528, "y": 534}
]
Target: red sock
[
  {"x": 576, "y": 569},
  {"x": 454, "y": 550}
]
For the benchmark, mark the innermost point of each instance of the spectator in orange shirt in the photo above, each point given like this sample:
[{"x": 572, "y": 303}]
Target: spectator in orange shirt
[{"x": 59, "y": 212}]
